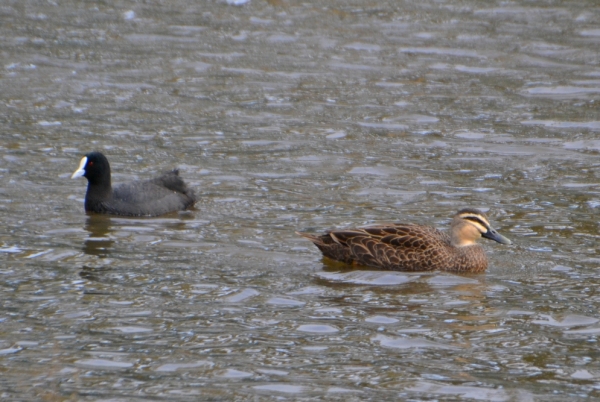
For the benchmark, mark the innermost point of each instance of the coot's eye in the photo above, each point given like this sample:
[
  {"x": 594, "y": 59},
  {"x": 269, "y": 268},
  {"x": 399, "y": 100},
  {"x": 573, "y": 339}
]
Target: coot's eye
[{"x": 91, "y": 164}]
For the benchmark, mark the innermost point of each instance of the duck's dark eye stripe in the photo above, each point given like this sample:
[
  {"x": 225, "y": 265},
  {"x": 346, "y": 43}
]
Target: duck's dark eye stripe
[{"x": 477, "y": 220}]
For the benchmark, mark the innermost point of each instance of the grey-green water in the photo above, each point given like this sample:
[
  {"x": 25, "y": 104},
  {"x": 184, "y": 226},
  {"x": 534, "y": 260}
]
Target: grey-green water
[{"x": 287, "y": 116}]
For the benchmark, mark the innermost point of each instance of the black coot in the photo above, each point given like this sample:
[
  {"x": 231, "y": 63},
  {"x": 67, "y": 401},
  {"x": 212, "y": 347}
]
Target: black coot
[{"x": 158, "y": 196}]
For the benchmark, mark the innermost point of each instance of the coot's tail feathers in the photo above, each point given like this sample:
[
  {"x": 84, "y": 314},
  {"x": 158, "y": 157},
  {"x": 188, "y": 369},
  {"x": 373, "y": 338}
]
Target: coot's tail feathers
[{"x": 173, "y": 182}]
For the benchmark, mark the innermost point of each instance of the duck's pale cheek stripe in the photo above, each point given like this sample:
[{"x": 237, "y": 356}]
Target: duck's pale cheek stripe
[
  {"x": 477, "y": 221},
  {"x": 81, "y": 169},
  {"x": 479, "y": 227}
]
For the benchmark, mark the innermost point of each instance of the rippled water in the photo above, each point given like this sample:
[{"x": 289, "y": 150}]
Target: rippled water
[{"x": 305, "y": 116}]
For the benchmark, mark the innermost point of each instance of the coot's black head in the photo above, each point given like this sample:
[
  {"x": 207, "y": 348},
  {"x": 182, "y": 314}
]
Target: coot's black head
[{"x": 94, "y": 167}]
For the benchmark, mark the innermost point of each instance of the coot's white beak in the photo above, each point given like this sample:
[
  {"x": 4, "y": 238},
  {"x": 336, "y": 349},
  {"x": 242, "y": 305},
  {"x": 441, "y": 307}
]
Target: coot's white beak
[{"x": 81, "y": 169}]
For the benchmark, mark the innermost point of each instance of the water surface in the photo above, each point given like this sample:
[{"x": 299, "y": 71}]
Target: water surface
[{"x": 304, "y": 116}]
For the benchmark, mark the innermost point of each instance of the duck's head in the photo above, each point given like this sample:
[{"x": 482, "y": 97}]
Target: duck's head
[{"x": 469, "y": 225}]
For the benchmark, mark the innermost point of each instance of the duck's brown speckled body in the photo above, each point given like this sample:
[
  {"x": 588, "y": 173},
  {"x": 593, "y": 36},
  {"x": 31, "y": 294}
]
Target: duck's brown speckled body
[{"x": 409, "y": 247}]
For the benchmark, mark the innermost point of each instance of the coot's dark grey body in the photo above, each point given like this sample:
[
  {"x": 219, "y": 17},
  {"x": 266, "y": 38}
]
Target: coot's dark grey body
[{"x": 158, "y": 196}]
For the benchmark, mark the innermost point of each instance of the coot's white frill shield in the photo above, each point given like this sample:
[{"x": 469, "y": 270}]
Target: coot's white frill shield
[{"x": 80, "y": 172}]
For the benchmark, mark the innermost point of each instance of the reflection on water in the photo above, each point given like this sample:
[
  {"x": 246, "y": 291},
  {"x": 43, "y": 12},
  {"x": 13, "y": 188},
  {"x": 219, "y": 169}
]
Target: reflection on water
[
  {"x": 289, "y": 116},
  {"x": 99, "y": 240}
]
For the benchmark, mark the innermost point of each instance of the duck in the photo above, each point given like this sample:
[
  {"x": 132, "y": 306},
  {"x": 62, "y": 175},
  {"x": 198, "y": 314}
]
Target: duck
[
  {"x": 411, "y": 247},
  {"x": 155, "y": 197}
]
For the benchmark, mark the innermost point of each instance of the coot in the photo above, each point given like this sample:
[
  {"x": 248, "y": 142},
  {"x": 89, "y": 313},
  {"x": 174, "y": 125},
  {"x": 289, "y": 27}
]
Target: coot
[{"x": 166, "y": 193}]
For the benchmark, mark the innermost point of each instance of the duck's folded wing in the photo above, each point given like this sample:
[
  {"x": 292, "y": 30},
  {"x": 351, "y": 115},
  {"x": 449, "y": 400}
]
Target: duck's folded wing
[
  {"x": 330, "y": 247},
  {"x": 392, "y": 247}
]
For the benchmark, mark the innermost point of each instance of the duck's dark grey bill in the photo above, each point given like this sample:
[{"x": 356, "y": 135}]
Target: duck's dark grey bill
[
  {"x": 493, "y": 235},
  {"x": 80, "y": 172}
]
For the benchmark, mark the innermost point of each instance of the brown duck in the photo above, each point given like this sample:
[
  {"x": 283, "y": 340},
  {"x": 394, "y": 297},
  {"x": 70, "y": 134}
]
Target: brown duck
[{"x": 409, "y": 247}]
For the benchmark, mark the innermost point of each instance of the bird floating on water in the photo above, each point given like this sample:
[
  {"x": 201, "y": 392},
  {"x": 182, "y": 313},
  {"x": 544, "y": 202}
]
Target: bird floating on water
[
  {"x": 158, "y": 196},
  {"x": 410, "y": 247}
]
